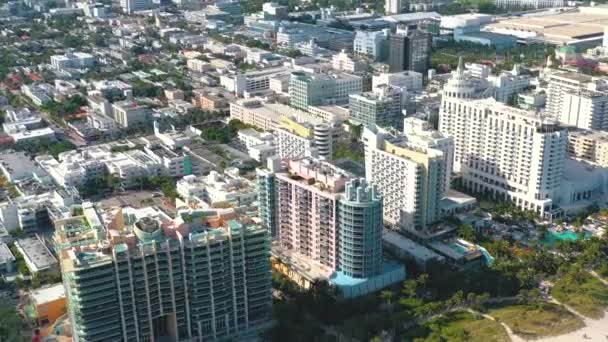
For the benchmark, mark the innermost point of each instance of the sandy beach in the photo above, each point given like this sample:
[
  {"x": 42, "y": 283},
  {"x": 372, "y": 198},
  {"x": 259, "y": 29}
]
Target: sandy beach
[{"x": 596, "y": 330}]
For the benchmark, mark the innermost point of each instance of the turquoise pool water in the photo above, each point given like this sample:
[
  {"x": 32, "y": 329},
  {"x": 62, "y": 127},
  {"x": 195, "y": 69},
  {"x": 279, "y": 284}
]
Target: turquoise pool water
[{"x": 551, "y": 238}]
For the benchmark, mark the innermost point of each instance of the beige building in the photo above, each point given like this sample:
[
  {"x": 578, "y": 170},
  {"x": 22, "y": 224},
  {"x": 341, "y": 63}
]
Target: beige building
[
  {"x": 591, "y": 146},
  {"x": 209, "y": 101}
]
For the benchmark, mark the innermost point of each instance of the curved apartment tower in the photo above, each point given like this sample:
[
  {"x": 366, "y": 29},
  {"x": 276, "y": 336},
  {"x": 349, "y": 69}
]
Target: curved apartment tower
[{"x": 360, "y": 227}]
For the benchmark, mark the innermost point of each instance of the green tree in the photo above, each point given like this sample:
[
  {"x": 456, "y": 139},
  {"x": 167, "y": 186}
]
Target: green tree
[{"x": 11, "y": 326}]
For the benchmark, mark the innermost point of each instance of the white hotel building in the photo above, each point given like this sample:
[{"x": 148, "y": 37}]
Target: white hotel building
[
  {"x": 505, "y": 152},
  {"x": 410, "y": 178}
]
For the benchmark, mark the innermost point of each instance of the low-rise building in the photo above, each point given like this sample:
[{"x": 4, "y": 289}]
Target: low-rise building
[
  {"x": 7, "y": 259},
  {"x": 208, "y": 101},
  {"x": 129, "y": 113},
  {"x": 39, "y": 93},
  {"x": 345, "y": 62},
  {"x": 218, "y": 190},
  {"x": 48, "y": 304},
  {"x": 37, "y": 256},
  {"x": 73, "y": 60}
]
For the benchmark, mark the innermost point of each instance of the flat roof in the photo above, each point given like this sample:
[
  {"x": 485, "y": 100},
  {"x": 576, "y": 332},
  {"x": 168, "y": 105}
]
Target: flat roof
[
  {"x": 48, "y": 294},
  {"x": 18, "y": 163},
  {"x": 418, "y": 251},
  {"x": 562, "y": 27},
  {"x": 5, "y": 253},
  {"x": 35, "y": 253}
]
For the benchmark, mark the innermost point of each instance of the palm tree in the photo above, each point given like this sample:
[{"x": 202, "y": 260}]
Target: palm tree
[
  {"x": 387, "y": 296},
  {"x": 409, "y": 288},
  {"x": 423, "y": 280}
]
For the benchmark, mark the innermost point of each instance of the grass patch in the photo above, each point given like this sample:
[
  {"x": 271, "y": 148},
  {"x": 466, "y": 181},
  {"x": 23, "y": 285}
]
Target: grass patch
[
  {"x": 535, "y": 321},
  {"x": 458, "y": 326},
  {"x": 587, "y": 295}
]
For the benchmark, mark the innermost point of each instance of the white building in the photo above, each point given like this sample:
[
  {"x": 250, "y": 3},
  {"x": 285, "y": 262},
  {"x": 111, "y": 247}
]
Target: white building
[
  {"x": 250, "y": 82},
  {"x": 75, "y": 168},
  {"x": 410, "y": 178},
  {"x": 394, "y": 6},
  {"x": 410, "y": 80},
  {"x": 372, "y": 44},
  {"x": 578, "y": 100},
  {"x": 174, "y": 164},
  {"x": 419, "y": 133},
  {"x": 462, "y": 85},
  {"x": 504, "y": 152},
  {"x": 260, "y": 146},
  {"x": 40, "y": 93},
  {"x": 73, "y": 60},
  {"x": 303, "y": 139},
  {"x": 508, "y": 84},
  {"x": 218, "y": 190},
  {"x": 344, "y": 62},
  {"x": 129, "y": 113},
  {"x": 585, "y": 109}
]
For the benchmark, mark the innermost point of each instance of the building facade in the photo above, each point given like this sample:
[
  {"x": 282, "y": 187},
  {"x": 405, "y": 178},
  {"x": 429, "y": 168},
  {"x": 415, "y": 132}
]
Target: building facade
[
  {"x": 507, "y": 153},
  {"x": 316, "y": 89},
  {"x": 381, "y": 107},
  {"x": 410, "y": 178},
  {"x": 409, "y": 51},
  {"x": 156, "y": 279},
  {"x": 371, "y": 44}
]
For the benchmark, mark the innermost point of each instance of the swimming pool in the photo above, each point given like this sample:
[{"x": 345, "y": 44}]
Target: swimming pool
[{"x": 551, "y": 238}]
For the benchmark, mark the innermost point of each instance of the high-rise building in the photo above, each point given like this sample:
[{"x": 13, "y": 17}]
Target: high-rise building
[
  {"x": 419, "y": 133},
  {"x": 155, "y": 278},
  {"x": 320, "y": 89},
  {"x": 564, "y": 82},
  {"x": 394, "y": 6},
  {"x": 131, "y": 6},
  {"x": 360, "y": 230},
  {"x": 328, "y": 225},
  {"x": 409, "y": 51},
  {"x": 586, "y": 109},
  {"x": 381, "y": 107},
  {"x": 504, "y": 152},
  {"x": 411, "y": 179},
  {"x": 462, "y": 85},
  {"x": 372, "y": 44},
  {"x": 267, "y": 195}
]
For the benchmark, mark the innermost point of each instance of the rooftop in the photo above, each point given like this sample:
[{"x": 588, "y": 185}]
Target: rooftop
[
  {"x": 5, "y": 253},
  {"x": 36, "y": 253},
  {"x": 48, "y": 294},
  {"x": 416, "y": 250}
]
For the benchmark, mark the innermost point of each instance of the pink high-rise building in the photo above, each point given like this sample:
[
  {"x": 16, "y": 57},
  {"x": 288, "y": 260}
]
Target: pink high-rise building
[{"x": 307, "y": 196}]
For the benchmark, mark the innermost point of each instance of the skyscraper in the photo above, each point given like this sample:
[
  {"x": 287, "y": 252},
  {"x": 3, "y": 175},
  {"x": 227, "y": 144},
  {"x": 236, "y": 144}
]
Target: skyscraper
[
  {"x": 504, "y": 152},
  {"x": 153, "y": 277},
  {"x": 329, "y": 225},
  {"x": 409, "y": 50}
]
